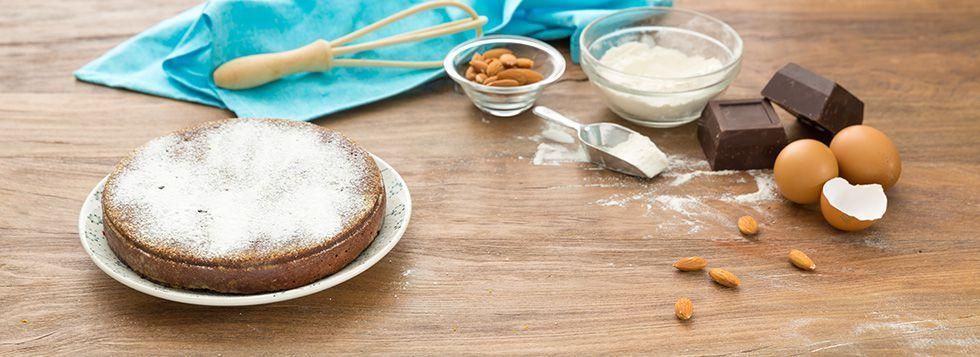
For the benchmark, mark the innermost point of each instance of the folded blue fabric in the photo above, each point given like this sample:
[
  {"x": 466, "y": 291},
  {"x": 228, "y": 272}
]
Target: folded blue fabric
[{"x": 175, "y": 58}]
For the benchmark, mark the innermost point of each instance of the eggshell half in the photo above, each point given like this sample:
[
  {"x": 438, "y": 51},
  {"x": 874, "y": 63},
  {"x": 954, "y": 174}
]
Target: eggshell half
[
  {"x": 852, "y": 207},
  {"x": 802, "y": 168}
]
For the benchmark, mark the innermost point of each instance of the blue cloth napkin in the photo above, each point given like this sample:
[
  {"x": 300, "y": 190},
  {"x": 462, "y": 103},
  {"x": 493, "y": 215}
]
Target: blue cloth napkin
[{"x": 175, "y": 58}]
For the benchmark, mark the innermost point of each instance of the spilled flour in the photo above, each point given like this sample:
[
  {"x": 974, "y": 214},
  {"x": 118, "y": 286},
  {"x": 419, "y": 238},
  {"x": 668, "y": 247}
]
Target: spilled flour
[
  {"x": 554, "y": 154},
  {"x": 678, "y": 191},
  {"x": 702, "y": 207},
  {"x": 558, "y": 135},
  {"x": 765, "y": 190},
  {"x": 556, "y": 146},
  {"x": 688, "y": 176}
]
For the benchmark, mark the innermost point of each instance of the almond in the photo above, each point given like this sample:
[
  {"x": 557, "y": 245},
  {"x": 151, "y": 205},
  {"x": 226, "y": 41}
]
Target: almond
[
  {"x": 691, "y": 264},
  {"x": 724, "y": 277},
  {"x": 470, "y": 73},
  {"x": 490, "y": 79},
  {"x": 683, "y": 309},
  {"x": 480, "y": 78},
  {"x": 496, "y": 52},
  {"x": 479, "y": 65},
  {"x": 747, "y": 225},
  {"x": 477, "y": 57},
  {"x": 504, "y": 83},
  {"x": 494, "y": 67},
  {"x": 508, "y": 59},
  {"x": 524, "y": 63},
  {"x": 800, "y": 260},
  {"x": 522, "y": 75}
]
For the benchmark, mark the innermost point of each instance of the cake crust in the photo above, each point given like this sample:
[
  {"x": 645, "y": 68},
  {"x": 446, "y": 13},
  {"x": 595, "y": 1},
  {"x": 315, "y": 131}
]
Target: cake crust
[
  {"x": 251, "y": 267},
  {"x": 252, "y": 279}
]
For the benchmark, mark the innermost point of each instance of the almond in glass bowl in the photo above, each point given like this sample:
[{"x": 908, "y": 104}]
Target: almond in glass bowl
[{"x": 469, "y": 65}]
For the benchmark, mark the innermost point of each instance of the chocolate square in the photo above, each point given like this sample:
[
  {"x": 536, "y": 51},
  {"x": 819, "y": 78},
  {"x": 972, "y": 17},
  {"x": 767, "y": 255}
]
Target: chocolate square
[
  {"x": 740, "y": 134},
  {"x": 815, "y": 100}
]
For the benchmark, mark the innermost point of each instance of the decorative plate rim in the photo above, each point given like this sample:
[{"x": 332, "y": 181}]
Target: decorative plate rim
[{"x": 215, "y": 299}]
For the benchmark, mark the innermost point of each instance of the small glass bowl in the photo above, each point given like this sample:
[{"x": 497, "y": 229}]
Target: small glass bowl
[
  {"x": 665, "y": 101},
  {"x": 505, "y": 101}
]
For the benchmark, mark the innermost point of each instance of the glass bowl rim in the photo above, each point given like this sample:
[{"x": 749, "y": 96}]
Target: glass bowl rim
[
  {"x": 585, "y": 54},
  {"x": 553, "y": 54}
]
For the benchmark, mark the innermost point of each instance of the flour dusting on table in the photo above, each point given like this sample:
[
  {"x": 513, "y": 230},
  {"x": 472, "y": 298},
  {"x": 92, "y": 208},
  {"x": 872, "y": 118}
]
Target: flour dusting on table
[
  {"x": 556, "y": 146},
  {"x": 671, "y": 192},
  {"x": 696, "y": 209},
  {"x": 555, "y": 154}
]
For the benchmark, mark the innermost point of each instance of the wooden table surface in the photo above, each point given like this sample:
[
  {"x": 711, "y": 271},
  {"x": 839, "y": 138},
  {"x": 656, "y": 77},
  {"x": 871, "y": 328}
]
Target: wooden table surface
[{"x": 505, "y": 256}]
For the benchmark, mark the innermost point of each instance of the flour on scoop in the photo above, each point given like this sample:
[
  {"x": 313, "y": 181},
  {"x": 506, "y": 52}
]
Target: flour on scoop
[
  {"x": 242, "y": 186},
  {"x": 641, "y": 152}
]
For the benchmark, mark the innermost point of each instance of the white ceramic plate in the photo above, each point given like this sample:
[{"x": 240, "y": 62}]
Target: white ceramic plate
[{"x": 397, "y": 213}]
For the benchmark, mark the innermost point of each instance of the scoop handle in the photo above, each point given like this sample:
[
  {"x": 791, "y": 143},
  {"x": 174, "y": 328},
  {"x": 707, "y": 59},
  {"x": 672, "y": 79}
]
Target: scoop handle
[
  {"x": 255, "y": 70},
  {"x": 556, "y": 117}
]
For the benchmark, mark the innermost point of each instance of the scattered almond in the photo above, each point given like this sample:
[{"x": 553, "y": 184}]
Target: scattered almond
[
  {"x": 683, "y": 309},
  {"x": 496, "y": 52},
  {"x": 521, "y": 75},
  {"x": 491, "y": 79},
  {"x": 801, "y": 260},
  {"x": 747, "y": 225},
  {"x": 691, "y": 264},
  {"x": 470, "y": 73},
  {"x": 504, "y": 83},
  {"x": 477, "y": 57},
  {"x": 480, "y": 78},
  {"x": 724, "y": 277},
  {"x": 508, "y": 59},
  {"x": 524, "y": 63}
]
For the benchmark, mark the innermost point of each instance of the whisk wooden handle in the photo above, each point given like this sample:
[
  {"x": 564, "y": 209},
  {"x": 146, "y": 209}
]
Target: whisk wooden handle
[{"x": 255, "y": 70}]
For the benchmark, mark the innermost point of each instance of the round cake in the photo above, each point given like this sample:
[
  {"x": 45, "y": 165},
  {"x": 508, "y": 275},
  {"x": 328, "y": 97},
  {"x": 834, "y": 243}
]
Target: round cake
[{"x": 243, "y": 206}]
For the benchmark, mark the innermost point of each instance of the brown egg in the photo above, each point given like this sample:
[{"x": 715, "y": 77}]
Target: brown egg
[
  {"x": 802, "y": 168},
  {"x": 866, "y": 155}
]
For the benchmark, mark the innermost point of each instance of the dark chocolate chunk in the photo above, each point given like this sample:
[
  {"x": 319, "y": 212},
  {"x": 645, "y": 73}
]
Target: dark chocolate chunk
[
  {"x": 740, "y": 134},
  {"x": 797, "y": 130},
  {"x": 815, "y": 100}
]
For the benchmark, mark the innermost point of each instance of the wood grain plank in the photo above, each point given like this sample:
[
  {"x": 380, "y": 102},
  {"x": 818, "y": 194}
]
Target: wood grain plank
[{"x": 507, "y": 257}]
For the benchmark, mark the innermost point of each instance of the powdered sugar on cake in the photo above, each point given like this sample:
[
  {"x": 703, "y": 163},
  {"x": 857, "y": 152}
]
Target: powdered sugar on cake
[{"x": 247, "y": 185}]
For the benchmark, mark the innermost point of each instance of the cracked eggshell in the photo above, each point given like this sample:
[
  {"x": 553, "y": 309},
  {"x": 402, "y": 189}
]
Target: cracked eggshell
[
  {"x": 866, "y": 155},
  {"x": 852, "y": 207},
  {"x": 802, "y": 168}
]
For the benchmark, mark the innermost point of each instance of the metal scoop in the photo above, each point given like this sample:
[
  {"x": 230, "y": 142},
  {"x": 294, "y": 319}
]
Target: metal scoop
[{"x": 599, "y": 139}]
